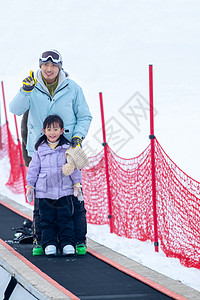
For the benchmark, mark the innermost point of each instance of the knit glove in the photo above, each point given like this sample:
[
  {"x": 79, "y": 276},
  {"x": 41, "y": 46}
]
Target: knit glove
[
  {"x": 29, "y": 83},
  {"x": 69, "y": 167},
  {"x": 76, "y": 141},
  {"x": 76, "y": 159}
]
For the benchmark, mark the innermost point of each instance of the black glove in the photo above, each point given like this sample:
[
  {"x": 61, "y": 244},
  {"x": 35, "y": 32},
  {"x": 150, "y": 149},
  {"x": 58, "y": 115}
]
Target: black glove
[
  {"x": 29, "y": 82},
  {"x": 76, "y": 141}
]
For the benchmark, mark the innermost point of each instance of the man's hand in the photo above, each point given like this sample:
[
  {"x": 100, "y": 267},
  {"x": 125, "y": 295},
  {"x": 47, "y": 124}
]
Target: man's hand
[
  {"x": 76, "y": 141},
  {"x": 29, "y": 83}
]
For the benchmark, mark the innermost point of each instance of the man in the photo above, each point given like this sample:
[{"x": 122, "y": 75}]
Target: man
[{"x": 52, "y": 92}]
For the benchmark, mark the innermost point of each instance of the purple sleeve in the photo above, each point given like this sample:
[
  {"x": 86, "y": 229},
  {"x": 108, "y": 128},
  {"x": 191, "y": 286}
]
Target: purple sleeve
[
  {"x": 76, "y": 176},
  {"x": 34, "y": 169}
]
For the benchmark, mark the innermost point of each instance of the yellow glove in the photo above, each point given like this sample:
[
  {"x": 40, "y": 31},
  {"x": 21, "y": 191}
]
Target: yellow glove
[
  {"x": 76, "y": 141},
  {"x": 29, "y": 82}
]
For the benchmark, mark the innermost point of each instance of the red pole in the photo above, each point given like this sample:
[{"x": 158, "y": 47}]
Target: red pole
[
  {"x": 21, "y": 158},
  {"x": 106, "y": 163},
  {"x": 7, "y": 126},
  {"x": 0, "y": 130},
  {"x": 152, "y": 138},
  {"x": 4, "y": 103},
  {"x": 0, "y": 138}
]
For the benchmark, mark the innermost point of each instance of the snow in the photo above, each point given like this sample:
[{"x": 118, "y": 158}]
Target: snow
[{"x": 107, "y": 46}]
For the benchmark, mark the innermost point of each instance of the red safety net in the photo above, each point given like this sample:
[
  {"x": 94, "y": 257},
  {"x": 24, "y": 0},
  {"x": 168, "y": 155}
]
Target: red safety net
[
  {"x": 178, "y": 200},
  {"x": 178, "y": 203},
  {"x": 178, "y": 207},
  {"x": 3, "y": 142}
]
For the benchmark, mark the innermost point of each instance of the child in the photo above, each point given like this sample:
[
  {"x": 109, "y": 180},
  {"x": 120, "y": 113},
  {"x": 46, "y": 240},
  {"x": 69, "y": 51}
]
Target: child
[{"x": 53, "y": 189}]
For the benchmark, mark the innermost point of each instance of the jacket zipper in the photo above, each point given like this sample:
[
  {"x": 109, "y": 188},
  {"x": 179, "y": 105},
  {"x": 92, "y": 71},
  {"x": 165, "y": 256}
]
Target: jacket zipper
[{"x": 55, "y": 93}]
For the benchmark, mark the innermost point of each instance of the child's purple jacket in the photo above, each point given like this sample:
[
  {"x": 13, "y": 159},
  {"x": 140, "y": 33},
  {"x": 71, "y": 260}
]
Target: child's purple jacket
[{"x": 45, "y": 173}]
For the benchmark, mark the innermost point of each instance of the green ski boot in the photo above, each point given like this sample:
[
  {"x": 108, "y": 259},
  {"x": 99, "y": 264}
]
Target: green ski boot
[
  {"x": 81, "y": 249},
  {"x": 38, "y": 250}
]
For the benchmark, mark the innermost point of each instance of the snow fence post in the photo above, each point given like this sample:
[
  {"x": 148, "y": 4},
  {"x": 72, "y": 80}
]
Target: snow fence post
[
  {"x": 106, "y": 163},
  {"x": 21, "y": 159},
  {"x": 152, "y": 139},
  {"x": 0, "y": 129},
  {"x": 6, "y": 118}
]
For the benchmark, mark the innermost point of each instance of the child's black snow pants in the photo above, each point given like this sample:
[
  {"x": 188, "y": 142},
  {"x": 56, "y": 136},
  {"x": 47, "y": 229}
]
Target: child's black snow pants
[{"x": 56, "y": 222}]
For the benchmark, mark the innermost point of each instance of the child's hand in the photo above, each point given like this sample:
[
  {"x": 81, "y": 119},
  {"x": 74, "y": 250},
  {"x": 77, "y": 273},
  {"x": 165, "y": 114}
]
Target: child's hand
[
  {"x": 77, "y": 189},
  {"x": 29, "y": 190},
  {"x": 29, "y": 193}
]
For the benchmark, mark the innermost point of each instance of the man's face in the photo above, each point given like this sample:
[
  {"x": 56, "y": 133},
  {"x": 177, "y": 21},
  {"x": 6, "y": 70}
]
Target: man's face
[{"x": 49, "y": 71}]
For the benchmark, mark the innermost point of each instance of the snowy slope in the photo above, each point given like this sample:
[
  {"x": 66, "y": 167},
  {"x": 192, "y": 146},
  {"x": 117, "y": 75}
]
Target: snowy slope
[{"x": 107, "y": 46}]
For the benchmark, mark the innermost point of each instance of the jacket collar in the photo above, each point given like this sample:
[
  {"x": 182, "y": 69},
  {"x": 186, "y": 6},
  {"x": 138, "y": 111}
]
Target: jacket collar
[
  {"x": 62, "y": 76},
  {"x": 44, "y": 148}
]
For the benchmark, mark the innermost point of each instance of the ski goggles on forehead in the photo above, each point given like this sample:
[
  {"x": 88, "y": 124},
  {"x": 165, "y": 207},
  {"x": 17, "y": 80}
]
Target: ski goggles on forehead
[{"x": 55, "y": 57}]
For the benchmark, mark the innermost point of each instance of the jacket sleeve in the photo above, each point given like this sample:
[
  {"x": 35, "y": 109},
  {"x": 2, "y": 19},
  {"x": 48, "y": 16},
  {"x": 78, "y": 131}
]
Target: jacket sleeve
[
  {"x": 76, "y": 176},
  {"x": 20, "y": 103},
  {"x": 83, "y": 115},
  {"x": 34, "y": 169}
]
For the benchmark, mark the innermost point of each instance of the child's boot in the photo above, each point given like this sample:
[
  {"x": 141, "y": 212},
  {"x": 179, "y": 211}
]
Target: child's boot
[
  {"x": 51, "y": 250},
  {"x": 68, "y": 250}
]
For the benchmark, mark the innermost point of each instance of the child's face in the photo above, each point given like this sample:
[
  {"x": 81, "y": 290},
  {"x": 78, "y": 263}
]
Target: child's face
[{"x": 53, "y": 132}]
